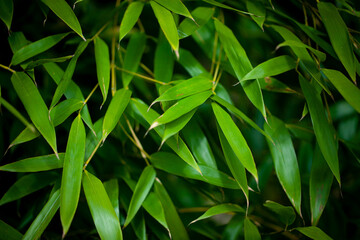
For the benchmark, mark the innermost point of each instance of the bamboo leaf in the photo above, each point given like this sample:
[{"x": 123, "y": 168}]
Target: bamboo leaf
[
  {"x": 142, "y": 189},
  {"x": 257, "y": 8},
  {"x": 201, "y": 16},
  {"x": 241, "y": 65},
  {"x": 285, "y": 162},
  {"x": 321, "y": 179},
  {"x": 6, "y": 12},
  {"x": 313, "y": 233},
  {"x": 235, "y": 139},
  {"x": 72, "y": 172},
  {"x": 35, "y": 106},
  {"x": 113, "y": 113},
  {"x": 26, "y": 135},
  {"x": 43, "y": 219},
  {"x": 175, "y": 6},
  {"x": 251, "y": 232},
  {"x": 348, "y": 90},
  {"x": 176, "y": 227},
  {"x": 102, "y": 66},
  {"x": 131, "y": 15},
  {"x": 164, "y": 60},
  {"x": 28, "y": 184},
  {"x": 292, "y": 43},
  {"x": 35, "y": 164},
  {"x": 33, "y": 64},
  {"x": 106, "y": 222},
  {"x": 220, "y": 209},
  {"x": 285, "y": 214},
  {"x": 218, "y": 4},
  {"x": 167, "y": 24},
  {"x": 134, "y": 52},
  {"x": 271, "y": 67},
  {"x": 112, "y": 189},
  {"x": 191, "y": 64},
  {"x": 339, "y": 36},
  {"x": 322, "y": 128},
  {"x": 65, "y": 13},
  {"x": 64, "y": 109},
  {"x": 273, "y": 85},
  {"x": 8, "y": 232}
]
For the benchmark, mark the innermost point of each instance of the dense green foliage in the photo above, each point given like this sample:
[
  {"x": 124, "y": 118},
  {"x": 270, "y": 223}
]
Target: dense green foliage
[{"x": 185, "y": 119}]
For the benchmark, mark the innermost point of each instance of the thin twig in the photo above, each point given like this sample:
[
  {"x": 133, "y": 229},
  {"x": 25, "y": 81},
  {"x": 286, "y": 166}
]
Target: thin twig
[
  {"x": 141, "y": 76},
  {"x": 7, "y": 68}
]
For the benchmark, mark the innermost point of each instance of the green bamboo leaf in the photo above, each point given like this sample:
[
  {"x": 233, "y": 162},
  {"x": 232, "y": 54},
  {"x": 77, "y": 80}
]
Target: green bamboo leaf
[
  {"x": 160, "y": 160},
  {"x": 65, "y": 13},
  {"x": 175, "y": 6},
  {"x": 180, "y": 108},
  {"x": 191, "y": 64},
  {"x": 17, "y": 40},
  {"x": 234, "y": 164},
  {"x": 285, "y": 162},
  {"x": 324, "y": 131},
  {"x": 64, "y": 109},
  {"x": 321, "y": 179},
  {"x": 26, "y": 135},
  {"x": 258, "y": 9},
  {"x": 102, "y": 60},
  {"x": 220, "y": 209},
  {"x": 65, "y": 81},
  {"x": 348, "y": 90},
  {"x": 273, "y": 85},
  {"x": 142, "y": 189},
  {"x": 313, "y": 233},
  {"x": 130, "y": 18},
  {"x": 36, "y": 48},
  {"x": 241, "y": 65},
  {"x": 235, "y": 139},
  {"x": 175, "y": 126},
  {"x": 116, "y": 108},
  {"x": 177, "y": 230},
  {"x": 112, "y": 189},
  {"x": 106, "y": 222},
  {"x": 72, "y": 173},
  {"x": 286, "y": 215},
  {"x": 292, "y": 43},
  {"x": 35, "y": 106},
  {"x": 164, "y": 60},
  {"x": 33, "y": 64},
  {"x": 6, "y": 12},
  {"x": 218, "y": 4},
  {"x": 93, "y": 138},
  {"x": 28, "y": 184},
  {"x": 35, "y": 164},
  {"x": 251, "y": 232},
  {"x": 134, "y": 52},
  {"x": 167, "y": 24},
  {"x": 201, "y": 16},
  {"x": 8, "y": 232},
  {"x": 43, "y": 219},
  {"x": 339, "y": 36},
  {"x": 271, "y": 67}
]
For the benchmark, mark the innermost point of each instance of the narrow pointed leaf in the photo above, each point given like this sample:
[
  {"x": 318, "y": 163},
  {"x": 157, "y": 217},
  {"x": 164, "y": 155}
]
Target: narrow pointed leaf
[
  {"x": 64, "y": 109},
  {"x": 176, "y": 227},
  {"x": 102, "y": 60},
  {"x": 175, "y": 6},
  {"x": 251, "y": 232},
  {"x": 8, "y": 232},
  {"x": 188, "y": 26},
  {"x": 40, "y": 62},
  {"x": 65, "y": 13},
  {"x": 218, "y": 4},
  {"x": 235, "y": 139},
  {"x": 43, "y": 219},
  {"x": 112, "y": 189},
  {"x": 134, "y": 52},
  {"x": 116, "y": 108},
  {"x": 258, "y": 9},
  {"x": 35, "y": 106},
  {"x": 26, "y": 135},
  {"x": 28, "y": 184},
  {"x": 348, "y": 90},
  {"x": 220, "y": 209},
  {"x": 106, "y": 222},
  {"x": 191, "y": 64},
  {"x": 313, "y": 233},
  {"x": 285, "y": 161},
  {"x": 72, "y": 173},
  {"x": 142, "y": 189},
  {"x": 241, "y": 65},
  {"x": 6, "y": 12},
  {"x": 164, "y": 60},
  {"x": 339, "y": 36},
  {"x": 324, "y": 131},
  {"x": 271, "y": 67},
  {"x": 36, "y": 48},
  {"x": 167, "y": 24},
  {"x": 130, "y": 18},
  {"x": 292, "y": 43},
  {"x": 35, "y": 164},
  {"x": 285, "y": 214},
  {"x": 273, "y": 85}
]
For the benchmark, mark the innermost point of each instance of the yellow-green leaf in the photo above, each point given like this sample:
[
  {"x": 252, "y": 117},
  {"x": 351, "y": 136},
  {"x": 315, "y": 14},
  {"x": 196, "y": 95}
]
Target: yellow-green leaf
[
  {"x": 201, "y": 16},
  {"x": 175, "y": 6},
  {"x": 131, "y": 15},
  {"x": 26, "y": 135},
  {"x": 64, "y": 109},
  {"x": 102, "y": 60},
  {"x": 220, "y": 209}
]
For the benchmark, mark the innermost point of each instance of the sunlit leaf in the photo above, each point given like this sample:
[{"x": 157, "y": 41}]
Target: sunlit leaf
[
  {"x": 220, "y": 209},
  {"x": 313, "y": 233},
  {"x": 102, "y": 66},
  {"x": 251, "y": 232},
  {"x": 188, "y": 26},
  {"x": 131, "y": 15},
  {"x": 26, "y": 135},
  {"x": 6, "y": 12},
  {"x": 285, "y": 214},
  {"x": 218, "y": 4},
  {"x": 64, "y": 109},
  {"x": 175, "y": 6}
]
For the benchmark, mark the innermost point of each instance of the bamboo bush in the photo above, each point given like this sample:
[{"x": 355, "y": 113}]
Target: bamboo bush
[{"x": 179, "y": 119}]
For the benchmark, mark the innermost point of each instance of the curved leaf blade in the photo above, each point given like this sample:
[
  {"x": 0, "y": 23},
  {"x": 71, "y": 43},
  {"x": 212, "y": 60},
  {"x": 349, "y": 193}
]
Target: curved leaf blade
[
  {"x": 102, "y": 60},
  {"x": 251, "y": 232},
  {"x": 201, "y": 16},
  {"x": 6, "y": 12},
  {"x": 8, "y": 232},
  {"x": 220, "y": 209},
  {"x": 131, "y": 15},
  {"x": 313, "y": 233},
  {"x": 285, "y": 214},
  {"x": 258, "y": 9},
  {"x": 64, "y": 109},
  {"x": 112, "y": 189}
]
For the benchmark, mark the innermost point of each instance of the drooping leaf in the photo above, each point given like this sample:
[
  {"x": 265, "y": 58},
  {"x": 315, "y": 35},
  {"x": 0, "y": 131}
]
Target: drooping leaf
[
  {"x": 134, "y": 52},
  {"x": 112, "y": 189},
  {"x": 235, "y": 139},
  {"x": 258, "y": 9},
  {"x": 106, "y": 222},
  {"x": 8, "y": 232},
  {"x": 26, "y": 135},
  {"x": 175, "y": 6},
  {"x": 102, "y": 66},
  {"x": 251, "y": 232},
  {"x": 31, "y": 65},
  {"x": 35, "y": 164},
  {"x": 313, "y": 233},
  {"x": 131, "y": 15},
  {"x": 72, "y": 173},
  {"x": 188, "y": 26},
  {"x": 35, "y": 106},
  {"x": 6, "y": 12},
  {"x": 64, "y": 109},
  {"x": 220, "y": 209},
  {"x": 36, "y": 48},
  {"x": 142, "y": 189},
  {"x": 285, "y": 214},
  {"x": 324, "y": 131},
  {"x": 65, "y": 13},
  {"x": 221, "y": 5},
  {"x": 292, "y": 43},
  {"x": 116, "y": 108}
]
